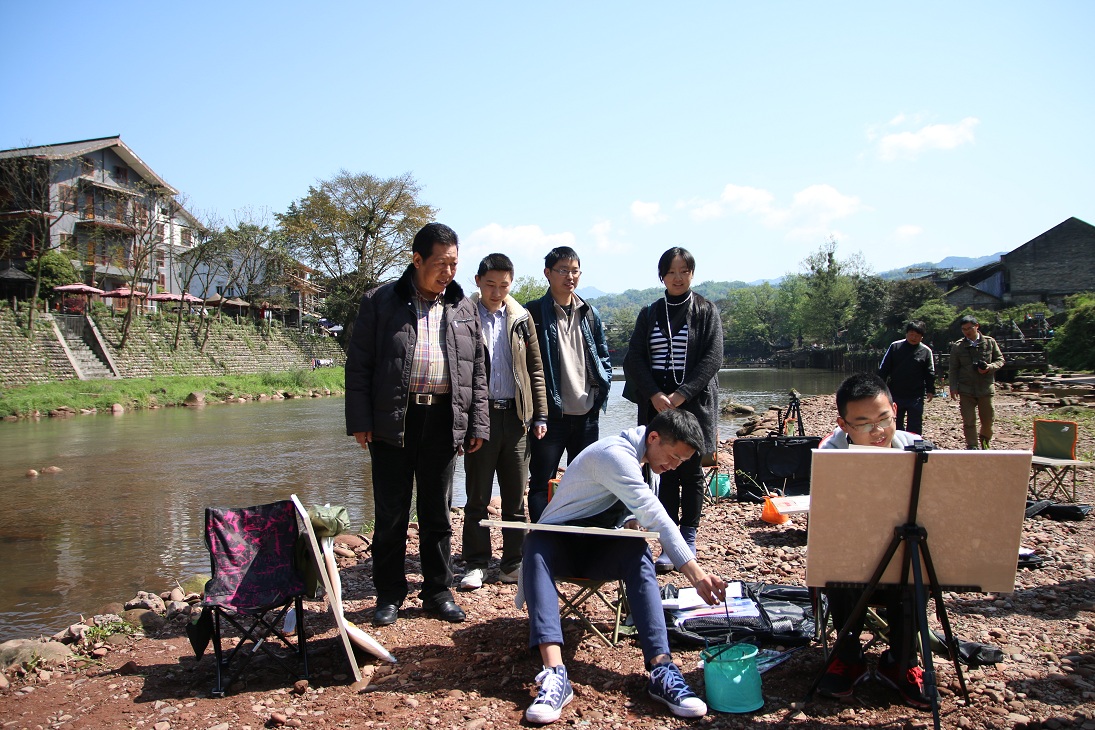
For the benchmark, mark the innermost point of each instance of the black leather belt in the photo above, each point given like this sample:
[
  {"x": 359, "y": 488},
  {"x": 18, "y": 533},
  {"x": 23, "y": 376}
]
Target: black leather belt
[
  {"x": 502, "y": 403},
  {"x": 428, "y": 399}
]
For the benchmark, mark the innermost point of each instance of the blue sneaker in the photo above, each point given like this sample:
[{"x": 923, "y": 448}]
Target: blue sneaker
[
  {"x": 555, "y": 694},
  {"x": 667, "y": 686}
]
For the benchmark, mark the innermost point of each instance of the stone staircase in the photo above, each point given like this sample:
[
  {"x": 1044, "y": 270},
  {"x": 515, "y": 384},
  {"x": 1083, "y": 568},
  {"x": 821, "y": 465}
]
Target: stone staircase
[{"x": 90, "y": 364}]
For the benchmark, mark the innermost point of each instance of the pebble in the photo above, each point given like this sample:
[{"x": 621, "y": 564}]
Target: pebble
[{"x": 162, "y": 725}]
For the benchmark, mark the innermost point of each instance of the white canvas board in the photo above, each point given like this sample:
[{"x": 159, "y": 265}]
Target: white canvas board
[{"x": 971, "y": 504}]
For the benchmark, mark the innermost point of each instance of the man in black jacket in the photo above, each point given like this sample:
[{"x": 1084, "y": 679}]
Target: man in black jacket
[
  {"x": 908, "y": 367},
  {"x": 416, "y": 395}
]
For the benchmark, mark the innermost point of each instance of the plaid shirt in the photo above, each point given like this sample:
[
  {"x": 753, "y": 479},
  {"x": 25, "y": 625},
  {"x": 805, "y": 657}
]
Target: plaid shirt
[{"x": 429, "y": 368}]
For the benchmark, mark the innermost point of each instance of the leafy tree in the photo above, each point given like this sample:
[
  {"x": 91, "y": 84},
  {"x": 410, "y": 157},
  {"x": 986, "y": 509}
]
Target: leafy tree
[
  {"x": 29, "y": 204},
  {"x": 356, "y": 231},
  {"x": 56, "y": 270},
  {"x": 143, "y": 213},
  {"x": 790, "y": 312},
  {"x": 1073, "y": 343},
  {"x": 938, "y": 318},
  {"x": 748, "y": 319},
  {"x": 189, "y": 264},
  {"x": 905, "y": 297},
  {"x": 865, "y": 326},
  {"x": 527, "y": 288},
  {"x": 619, "y": 326},
  {"x": 830, "y": 293}
]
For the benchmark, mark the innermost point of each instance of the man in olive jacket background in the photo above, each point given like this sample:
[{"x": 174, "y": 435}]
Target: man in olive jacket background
[
  {"x": 416, "y": 395},
  {"x": 973, "y": 364}
]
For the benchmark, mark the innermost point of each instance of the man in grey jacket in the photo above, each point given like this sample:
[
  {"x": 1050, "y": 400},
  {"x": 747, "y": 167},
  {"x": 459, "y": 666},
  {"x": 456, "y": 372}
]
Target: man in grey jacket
[
  {"x": 604, "y": 487},
  {"x": 416, "y": 394},
  {"x": 518, "y": 406}
]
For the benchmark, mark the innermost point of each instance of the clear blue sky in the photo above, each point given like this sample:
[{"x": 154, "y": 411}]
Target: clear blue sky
[{"x": 745, "y": 132}]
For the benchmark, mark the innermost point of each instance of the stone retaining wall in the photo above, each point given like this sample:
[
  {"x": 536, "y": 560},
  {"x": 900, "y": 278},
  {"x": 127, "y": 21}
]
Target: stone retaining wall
[
  {"x": 23, "y": 361},
  {"x": 232, "y": 348}
]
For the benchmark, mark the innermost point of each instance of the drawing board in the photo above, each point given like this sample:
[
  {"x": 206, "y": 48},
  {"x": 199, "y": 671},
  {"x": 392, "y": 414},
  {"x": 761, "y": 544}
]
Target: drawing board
[
  {"x": 572, "y": 529},
  {"x": 971, "y": 505},
  {"x": 340, "y": 620}
]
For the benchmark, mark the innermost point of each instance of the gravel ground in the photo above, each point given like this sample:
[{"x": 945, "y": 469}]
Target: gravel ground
[{"x": 480, "y": 674}]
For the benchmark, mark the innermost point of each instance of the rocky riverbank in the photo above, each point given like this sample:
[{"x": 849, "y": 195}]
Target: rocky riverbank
[{"x": 479, "y": 674}]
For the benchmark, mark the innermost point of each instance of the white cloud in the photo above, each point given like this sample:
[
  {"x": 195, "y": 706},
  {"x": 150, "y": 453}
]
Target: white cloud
[
  {"x": 648, "y": 213},
  {"x": 527, "y": 240},
  {"x": 908, "y": 145},
  {"x": 908, "y": 231},
  {"x": 602, "y": 237},
  {"x": 809, "y": 215},
  {"x": 815, "y": 208}
]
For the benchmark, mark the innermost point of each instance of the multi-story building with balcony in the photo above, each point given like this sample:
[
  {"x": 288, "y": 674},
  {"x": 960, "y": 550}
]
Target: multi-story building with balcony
[{"x": 99, "y": 203}]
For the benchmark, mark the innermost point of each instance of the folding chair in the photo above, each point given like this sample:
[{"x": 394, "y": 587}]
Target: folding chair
[
  {"x": 587, "y": 588},
  {"x": 254, "y": 584},
  {"x": 1055, "y": 456},
  {"x": 718, "y": 483},
  {"x": 574, "y": 605}
]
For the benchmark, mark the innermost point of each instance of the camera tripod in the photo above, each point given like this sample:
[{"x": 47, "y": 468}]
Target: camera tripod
[{"x": 792, "y": 417}]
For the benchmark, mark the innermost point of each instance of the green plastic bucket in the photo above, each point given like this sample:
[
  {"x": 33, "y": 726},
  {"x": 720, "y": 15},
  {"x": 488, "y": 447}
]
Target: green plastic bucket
[
  {"x": 719, "y": 486},
  {"x": 731, "y": 677}
]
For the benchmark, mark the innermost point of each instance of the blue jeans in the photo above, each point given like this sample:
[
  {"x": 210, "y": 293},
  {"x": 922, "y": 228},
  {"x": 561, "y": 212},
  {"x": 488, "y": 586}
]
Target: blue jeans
[
  {"x": 549, "y": 554},
  {"x": 569, "y": 433}
]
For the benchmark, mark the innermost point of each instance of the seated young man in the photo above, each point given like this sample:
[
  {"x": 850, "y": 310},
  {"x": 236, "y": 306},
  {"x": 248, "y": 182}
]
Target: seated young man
[
  {"x": 604, "y": 487},
  {"x": 867, "y": 417}
]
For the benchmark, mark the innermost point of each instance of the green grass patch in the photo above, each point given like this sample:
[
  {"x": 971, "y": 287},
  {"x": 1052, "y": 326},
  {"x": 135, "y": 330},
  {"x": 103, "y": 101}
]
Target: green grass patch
[{"x": 137, "y": 393}]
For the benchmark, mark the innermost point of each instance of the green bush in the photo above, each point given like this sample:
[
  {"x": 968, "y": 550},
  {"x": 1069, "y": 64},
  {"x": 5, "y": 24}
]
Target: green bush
[{"x": 1073, "y": 343}]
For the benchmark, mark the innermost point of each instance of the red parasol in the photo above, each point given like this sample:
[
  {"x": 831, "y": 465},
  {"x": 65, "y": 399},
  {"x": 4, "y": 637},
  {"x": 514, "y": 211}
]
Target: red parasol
[{"x": 78, "y": 289}]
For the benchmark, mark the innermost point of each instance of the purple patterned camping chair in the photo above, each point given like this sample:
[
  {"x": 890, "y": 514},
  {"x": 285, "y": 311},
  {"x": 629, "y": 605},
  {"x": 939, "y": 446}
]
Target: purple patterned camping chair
[{"x": 254, "y": 583}]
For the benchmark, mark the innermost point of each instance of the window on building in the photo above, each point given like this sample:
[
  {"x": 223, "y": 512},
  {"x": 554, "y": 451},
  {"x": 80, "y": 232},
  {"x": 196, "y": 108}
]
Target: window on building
[
  {"x": 121, "y": 175},
  {"x": 67, "y": 243},
  {"x": 185, "y": 235},
  {"x": 66, "y": 195}
]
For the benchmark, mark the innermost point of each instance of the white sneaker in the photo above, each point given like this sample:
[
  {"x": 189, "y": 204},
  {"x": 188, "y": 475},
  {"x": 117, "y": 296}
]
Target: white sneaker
[
  {"x": 555, "y": 694},
  {"x": 667, "y": 686},
  {"x": 511, "y": 577},
  {"x": 472, "y": 579}
]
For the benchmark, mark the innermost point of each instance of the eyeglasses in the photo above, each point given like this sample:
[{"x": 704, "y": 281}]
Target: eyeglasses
[
  {"x": 880, "y": 425},
  {"x": 568, "y": 272}
]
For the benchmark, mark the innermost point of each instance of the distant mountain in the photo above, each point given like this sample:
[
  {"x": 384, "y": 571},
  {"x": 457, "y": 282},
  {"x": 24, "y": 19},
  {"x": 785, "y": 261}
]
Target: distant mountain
[
  {"x": 716, "y": 290},
  {"x": 589, "y": 292}
]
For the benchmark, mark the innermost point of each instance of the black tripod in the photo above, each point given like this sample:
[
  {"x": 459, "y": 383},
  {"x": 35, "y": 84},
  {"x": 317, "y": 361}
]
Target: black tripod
[
  {"x": 915, "y": 539},
  {"x": 793, "y": 415}
]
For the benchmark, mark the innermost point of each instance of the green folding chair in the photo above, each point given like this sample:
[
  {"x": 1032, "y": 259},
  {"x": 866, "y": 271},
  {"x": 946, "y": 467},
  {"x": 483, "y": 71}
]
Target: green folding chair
[{"x": 1055, "y": 458}]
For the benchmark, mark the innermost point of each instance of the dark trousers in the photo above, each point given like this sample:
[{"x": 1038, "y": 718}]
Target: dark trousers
[
  {"x": 426, "y": 459},
  {"x": 549, "y": 555},
  {"x": 505, "y": 455},
  {"x": 910, "y": 414},
  {"x": 680, "y": 491},
  {"x": 899, "y": 616},
  {"x": 570, "y": 434}
]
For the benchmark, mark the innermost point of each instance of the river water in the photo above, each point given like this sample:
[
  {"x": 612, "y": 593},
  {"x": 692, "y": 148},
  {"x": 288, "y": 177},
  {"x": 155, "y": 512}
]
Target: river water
[{"x": 126, "y": 513}]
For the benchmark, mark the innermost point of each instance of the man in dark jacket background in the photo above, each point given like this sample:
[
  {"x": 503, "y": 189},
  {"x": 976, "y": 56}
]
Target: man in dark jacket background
[
  {"x": 577, "y": 372},
  {"x": 908, "y": 368},
  {"x": 416, "y": 395}
]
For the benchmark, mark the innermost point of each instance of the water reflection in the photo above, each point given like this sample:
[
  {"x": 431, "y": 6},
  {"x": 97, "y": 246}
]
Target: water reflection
[{"x": 126, "y": 513}]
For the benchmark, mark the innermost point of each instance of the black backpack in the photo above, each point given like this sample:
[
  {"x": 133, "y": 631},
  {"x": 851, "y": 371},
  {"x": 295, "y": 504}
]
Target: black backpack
[{"x": 786, "y": 618}]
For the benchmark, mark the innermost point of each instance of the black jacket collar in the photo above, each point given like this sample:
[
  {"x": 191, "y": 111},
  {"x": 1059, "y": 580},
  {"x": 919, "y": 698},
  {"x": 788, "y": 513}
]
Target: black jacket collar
[{"x": 404, "y": 287}]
